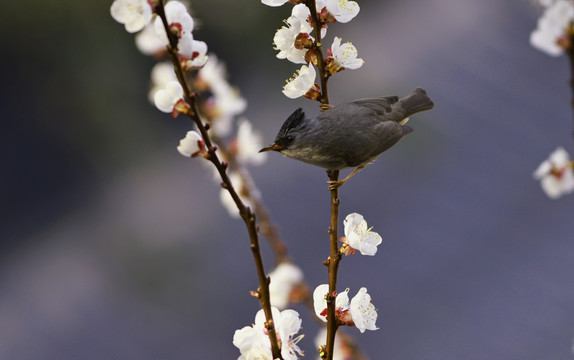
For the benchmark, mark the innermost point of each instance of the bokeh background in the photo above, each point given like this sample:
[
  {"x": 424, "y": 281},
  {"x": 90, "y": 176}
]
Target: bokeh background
[{"x": 113, "y": 246}]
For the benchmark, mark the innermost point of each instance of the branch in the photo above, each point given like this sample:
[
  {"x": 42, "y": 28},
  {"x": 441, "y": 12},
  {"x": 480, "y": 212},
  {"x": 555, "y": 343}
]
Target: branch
[
  {"x": 570, "y": 52},
  {"x": 317, "y": 47},
  {"x": 333, "y": 266},
  {"x": 335, "y": 255},
  {"x": 245, "y": 212}
]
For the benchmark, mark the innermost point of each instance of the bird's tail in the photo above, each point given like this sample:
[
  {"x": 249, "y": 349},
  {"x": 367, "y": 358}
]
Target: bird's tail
[{"x": 416, "y": 102}]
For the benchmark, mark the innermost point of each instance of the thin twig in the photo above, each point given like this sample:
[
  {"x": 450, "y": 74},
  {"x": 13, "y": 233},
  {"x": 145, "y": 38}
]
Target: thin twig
[{"x": 244, "y": 211}]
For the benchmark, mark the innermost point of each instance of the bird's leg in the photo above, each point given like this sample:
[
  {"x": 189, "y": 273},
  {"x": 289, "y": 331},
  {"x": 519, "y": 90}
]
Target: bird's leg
[
  {"x": 335, "y": 184},
  {"x": 325, "y": 107}
]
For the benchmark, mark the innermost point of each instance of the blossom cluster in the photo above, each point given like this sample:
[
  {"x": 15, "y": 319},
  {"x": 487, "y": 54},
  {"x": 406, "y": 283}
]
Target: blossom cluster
[
  {"x": 359, "y": 312},
  {"x": 554, "y": 30},
  {"x": 253, "y": 341},
  {"x": 295, "y": 42},
  {"x": 221, "y": 103}
]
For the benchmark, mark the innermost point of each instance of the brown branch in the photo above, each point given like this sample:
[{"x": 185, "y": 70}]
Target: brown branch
[
  {"x": 333, "y": 266},
  {"x": 317, "y": 47},
  {"x": 244, "y": 211},
  {"x": 570, "y": 52},
  {"x": 335, "y": 255}
]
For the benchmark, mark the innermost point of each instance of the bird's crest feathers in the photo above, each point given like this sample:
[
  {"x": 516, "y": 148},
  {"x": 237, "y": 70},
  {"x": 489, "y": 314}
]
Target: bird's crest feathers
[{"x": 292, "y": 122}]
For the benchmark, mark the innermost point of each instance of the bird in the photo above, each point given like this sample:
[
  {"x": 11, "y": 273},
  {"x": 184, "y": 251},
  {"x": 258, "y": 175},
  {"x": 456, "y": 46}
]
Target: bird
[{"x": 350, "y": 135}]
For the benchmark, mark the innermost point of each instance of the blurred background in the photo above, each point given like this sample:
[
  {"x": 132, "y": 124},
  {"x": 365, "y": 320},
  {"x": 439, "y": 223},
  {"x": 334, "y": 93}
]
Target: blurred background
[{"x": 113, "y": 246}]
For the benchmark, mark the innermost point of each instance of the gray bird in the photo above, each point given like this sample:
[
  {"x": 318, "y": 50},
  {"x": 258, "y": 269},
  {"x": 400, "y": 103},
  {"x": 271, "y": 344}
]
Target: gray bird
[{"x": 351, "y": 134}]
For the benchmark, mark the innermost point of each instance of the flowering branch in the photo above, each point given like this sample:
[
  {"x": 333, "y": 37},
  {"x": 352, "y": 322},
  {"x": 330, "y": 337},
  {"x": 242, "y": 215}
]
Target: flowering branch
[
  {"x": 317, "y": 47},
  {"x": 245, "y": 212}
]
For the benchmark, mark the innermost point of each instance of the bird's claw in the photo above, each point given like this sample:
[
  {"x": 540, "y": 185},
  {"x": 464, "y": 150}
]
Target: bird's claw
[
  {"x": 325, "y": 107},
  {"x": 334, "y": 184}
]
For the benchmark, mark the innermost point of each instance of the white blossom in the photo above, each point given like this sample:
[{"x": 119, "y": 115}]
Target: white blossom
[
  {"x": 363, "y": 311},
  {"x": 161, "y": 74},
  {"x": 248, "y": 143},
  {"x": 199, "y": 55},
  {"x": 320, "y": 301},
  {"x": 358, "y": 236},
  {"x": 302, "y": 82},
  {"x": 134, "y": 14},
  {"x": 274, "y": 3},
  {"x": 254, "y": 344},
  {"x": 343, "y": 10},
  {"x": 178, "y": 19},
  {"x": 226, "y": 102},
  {"x": 167, "y": 98},
  {"x": 148, "y": 42},
  {"x": 192, "y": 145},
  {"x": 283, "y": 279},
  {"x": 344, "y": 56},
  {"x": 556, "y": 174},
  {"x": 552, "y": 27},
  {"x": 284, "y": 39},
  {"x": 360, "y": 312}
]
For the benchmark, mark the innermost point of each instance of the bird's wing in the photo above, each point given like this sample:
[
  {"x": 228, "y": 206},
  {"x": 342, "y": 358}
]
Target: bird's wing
[
  {"x": 379, "y": 106},
  {"x": 388, "y": 134}
]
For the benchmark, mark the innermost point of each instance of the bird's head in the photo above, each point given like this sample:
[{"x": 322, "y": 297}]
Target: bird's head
[{"x": 290, "y": 130}]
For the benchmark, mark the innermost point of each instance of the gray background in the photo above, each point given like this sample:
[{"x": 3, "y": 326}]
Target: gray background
[{"x": 113, "y": 246}]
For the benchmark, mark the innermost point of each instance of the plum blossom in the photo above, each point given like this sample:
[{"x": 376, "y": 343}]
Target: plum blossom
[
  {"x": 274, "y": 3},
  {"x": 284, "y": 280},
  {"x": 253, "y": 341},
  {"x": 551, "y": 33},
  {"x": 161, "y": 74},
  {"x": 363, "y": 311},
  {"x": 192, "y": 145},
  {"x": 134, "y": 14},
  {"x": 247, "y": 144},
  {"x": 170, "y": 98},
  {"x": 302, "y": 84},
  {"x": 179, "y": 22},
  {"x": 147, "y": 41},
  {"x": 293, "y": 40},
  {"x": 343, "y": 10},
  {"x": 342, "y": 57},
  {"x": 226, "y": 101},
  {"x": 199, "y": 55},
  {"x": 556, "y": 174},
  {"x": 341, "y": 303},
  {"x": 360, "y": 312},
  {"x": 358, "y": 236}
]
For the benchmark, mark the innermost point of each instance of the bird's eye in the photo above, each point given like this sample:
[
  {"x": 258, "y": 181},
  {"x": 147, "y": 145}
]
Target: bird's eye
[{"x": 290, "y": 138}]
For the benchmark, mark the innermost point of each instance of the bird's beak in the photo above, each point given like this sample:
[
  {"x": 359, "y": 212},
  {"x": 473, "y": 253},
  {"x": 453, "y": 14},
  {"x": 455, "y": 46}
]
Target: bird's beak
[{"x": 273, "y": 147}]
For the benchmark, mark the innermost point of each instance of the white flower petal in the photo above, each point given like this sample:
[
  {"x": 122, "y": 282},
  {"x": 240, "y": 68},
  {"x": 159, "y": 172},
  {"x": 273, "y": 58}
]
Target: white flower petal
[
  {"x": 363, "y": 311},
  {"x": 191, "y": 145},
  {"x": 134, "y": 14},
  {"x": 166, "y": 98},
  {"x": 303, "y": 81},
  {"x": 319, "y": 301},
  {"x": 274, "y": 3}
]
